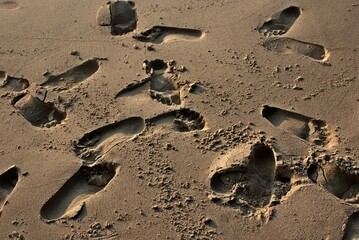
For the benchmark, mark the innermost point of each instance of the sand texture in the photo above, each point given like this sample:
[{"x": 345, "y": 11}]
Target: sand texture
[{"x": 206, "y": 119}]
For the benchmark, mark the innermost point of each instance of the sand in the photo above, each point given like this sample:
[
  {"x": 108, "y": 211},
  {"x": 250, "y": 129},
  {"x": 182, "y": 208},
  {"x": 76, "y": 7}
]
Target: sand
[{"x": 179, "y": 119}]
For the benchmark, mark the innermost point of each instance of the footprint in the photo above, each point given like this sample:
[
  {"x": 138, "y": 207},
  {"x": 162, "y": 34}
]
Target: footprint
[
  {"x": 8, "y": 181},
  {"x": 244, "y": 177},
  {"x": 38, "y": 113},
  {"x": 292, "y": 46},
  {"x": 164, "y": 82},
  {"x": 120, "y": 15},
  {"x": 306, "y": 128},
  {"x": 12, "y": 83},
  {"x": 281, "y": 22},
  {"x": 164, "y": 34},
  {"x": 69, "y": 201},
  {"x": 351, "y": 231},
  {"x": 184, "y": 120},
  {"x": 338, "y": 182},
  {"x": 95, "y": 144},
  {"x": 9, "y": 5},
  {"x": 72, "y": 77}
]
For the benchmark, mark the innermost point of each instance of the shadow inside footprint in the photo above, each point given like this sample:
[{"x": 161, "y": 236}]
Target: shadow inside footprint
[
  {"x": 337, "y": 181},
  {"x": 120, "y": 15},
  {"x": 281, "y": 22},
  {"x": 243, "y": 180},
  {"x": 163, "y": 78},
  {"x": 8, "y": 181},
  {"x": 98, "y": 142},
  {"x": 72, "y": 77},
  {"x": 9, "y": 5},
  {"x": 37, "y": 112},
  {"x": 183, "y": 120},
  {"x": 13, "y": 83},
  {"x": 164, "y": 34},
  {"x": 306, "y": 128},
  {"x": 69, "y": 201},
  {"x": 292, "y": 46},
  {"x": 351, "y": 231}
]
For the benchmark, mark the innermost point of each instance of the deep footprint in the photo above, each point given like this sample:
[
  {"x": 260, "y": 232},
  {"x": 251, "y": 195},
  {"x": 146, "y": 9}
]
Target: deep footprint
[
  {"x": 292, "y": 46},
  {"x": 98, "y": 142},
  {"x": 336, "y": 181},
  {"x": 351, "y": 231},
  {"x": 281, "y": 22},
  {"x": 164, "y": 82},
  {"x": 184, "y": 120},
  {"x": 8, "y": 181},
  {"x": 244, "y": 178},
  {"x": 70, "y": 199},
  {"x": 9, "y": 5},
  {"x": 72, "y": 77},
  {"x": 120, "y": 16},
  {"x": 164, "y": 34},
  {"x": 37, "y": 112},
  {"x": 13, "y": 83},
  {"x": 306, "y": 128}
]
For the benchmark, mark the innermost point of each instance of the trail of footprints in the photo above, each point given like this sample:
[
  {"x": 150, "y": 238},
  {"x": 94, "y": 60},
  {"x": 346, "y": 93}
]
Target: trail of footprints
[
  {"x": 244, "y": 178},
  {"x": 34, "y": 108},
  {"x": 279, "y": 24}
]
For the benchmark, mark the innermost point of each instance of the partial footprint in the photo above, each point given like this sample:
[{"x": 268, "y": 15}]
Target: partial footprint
[
  {"x": 95, "y": 144},
  {"x": 164, "y": 34},
  {"x": 281, "y": 22},
  {"x": 8, "y": 181},
  {"x": 339, "y": 182},
  {"x": 244, "y": 177},
  {"x": 70, "y": 199},
  {"x": 72, "y": 77},
  {"x": 12, "y": 83},
  {"x": 120, "y": 15},
  {"x": 164, "y": 79},
  {"x": 292, "y": 46},
  {"x": 351, "y": 231},
  {"x": 37, "y": 112},
  {"x": 9, "y": 5},
  {"x": 184, "y": 120},
  {"x": 306, "y": 128}
]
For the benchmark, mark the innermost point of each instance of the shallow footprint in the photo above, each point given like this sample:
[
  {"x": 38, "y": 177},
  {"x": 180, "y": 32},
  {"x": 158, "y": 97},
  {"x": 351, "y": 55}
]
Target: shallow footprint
[
  {"x": 37, "y": 112},
  {"x": 8, "y": 5},
  {"x": 70, "y": 199},
  {"x": 184, "y": 120},
  {"x": 244, "y": 177},
  {"x": 72, "y": 77},
  {"x": 120, "y": 15},
  {"x": 164, "y": 34},
  {"x": 8, "y": 182},
  {"x": 351, "y": 231},
  {"x": 164, "y": 79},
  {"x": 98, "y": 142},
  {"x": 13, "y": 83},
  {"x": 281, "y": 22},
  {"x": 337, "y": 181},
  {"x": 306, "y": 128},
  {"x": 292, "y": 46}
]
